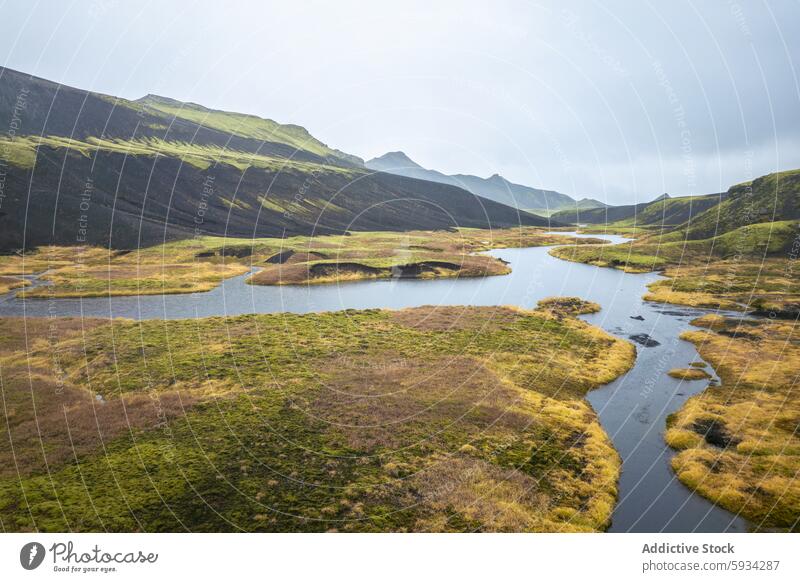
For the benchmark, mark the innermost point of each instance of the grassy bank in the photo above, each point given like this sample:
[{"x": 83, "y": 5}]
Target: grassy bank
[
  {"x": 767, "y": 286},
  {"x": 739, "y": 443},
  {"x": 201, "y": 264},
  {"x": 751, "y": 268},
  {"x": 430, "y": 419}
]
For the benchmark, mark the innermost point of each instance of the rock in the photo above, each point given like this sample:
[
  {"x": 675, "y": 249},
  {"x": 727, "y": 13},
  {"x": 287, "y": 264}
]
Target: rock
[{"x": 645, "y": 340}]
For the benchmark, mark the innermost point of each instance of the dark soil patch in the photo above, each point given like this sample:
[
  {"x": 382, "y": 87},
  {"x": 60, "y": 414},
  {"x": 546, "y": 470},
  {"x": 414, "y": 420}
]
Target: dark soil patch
[
  {"x": 715, "y": 432},
  {"x": 337, "y": 269},
  {"x": 788, "y": 312},
  {"x": 414, "y": 270},
  {"x": 280, "y": 258},
  {"x": 736, "y": 334},
  {"x": 238, "y": 252}
]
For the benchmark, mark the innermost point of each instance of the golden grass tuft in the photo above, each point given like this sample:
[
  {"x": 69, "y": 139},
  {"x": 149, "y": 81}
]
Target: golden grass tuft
[
  {"x": 568, "y": 306},
  {"x": 689, "y": 374}
]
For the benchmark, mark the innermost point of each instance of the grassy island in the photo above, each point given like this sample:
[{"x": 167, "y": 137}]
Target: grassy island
[{"x": 200, "y": 264}]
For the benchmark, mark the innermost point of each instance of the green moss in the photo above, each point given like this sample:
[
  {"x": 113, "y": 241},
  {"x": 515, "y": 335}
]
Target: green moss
[
  {"x": 283, "y": 430},
  {"x": 243, "y": 125},
  {"x": 21, "y": 151},
  {"x": 240, "y": 204}
]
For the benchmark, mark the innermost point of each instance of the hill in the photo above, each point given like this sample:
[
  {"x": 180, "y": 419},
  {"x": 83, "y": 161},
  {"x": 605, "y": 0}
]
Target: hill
[
  {"x": 773, "y": 197},
  {"x": 245, "y": 126},
  {"x": 494, "y": 188},
  {"x": 82, "y": 167},
  {"x": 736, "y": 255},
  {"x": 46, "y": 108},
  {"x": 664, "y": 210}
]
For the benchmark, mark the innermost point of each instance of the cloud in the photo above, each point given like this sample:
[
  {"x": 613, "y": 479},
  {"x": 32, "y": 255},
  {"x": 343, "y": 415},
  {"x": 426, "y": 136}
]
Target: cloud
[{"x": 586, "y": 98}]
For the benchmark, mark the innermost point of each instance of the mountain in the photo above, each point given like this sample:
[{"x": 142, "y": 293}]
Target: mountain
[
  {"x": 82, "y": 167},
  {"x": 494, "y": 188},
  {"x": 663, "y": 210},
  {"x": 49, "y": 109},
  {"x": 400, "y": 164}
]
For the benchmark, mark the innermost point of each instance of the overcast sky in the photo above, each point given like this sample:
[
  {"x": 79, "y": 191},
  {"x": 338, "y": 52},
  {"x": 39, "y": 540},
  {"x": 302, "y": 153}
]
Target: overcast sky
[{"x": 620, "y": 101}]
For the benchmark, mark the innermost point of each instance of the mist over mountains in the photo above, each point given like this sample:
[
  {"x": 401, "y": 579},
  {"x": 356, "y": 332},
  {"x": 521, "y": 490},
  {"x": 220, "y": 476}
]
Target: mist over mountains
[{"x": 495, "y": 187}]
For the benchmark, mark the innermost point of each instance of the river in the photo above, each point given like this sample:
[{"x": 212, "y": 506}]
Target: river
[{"x": 632, "y": 409}]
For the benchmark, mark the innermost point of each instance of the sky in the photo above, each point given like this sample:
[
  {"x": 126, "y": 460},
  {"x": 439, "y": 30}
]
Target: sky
[{"x": 619, "y": 101}]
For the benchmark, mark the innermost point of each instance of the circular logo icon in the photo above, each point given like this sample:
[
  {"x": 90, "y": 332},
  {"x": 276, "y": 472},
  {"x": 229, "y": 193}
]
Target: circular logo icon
[{"x": 31, "y": 555}]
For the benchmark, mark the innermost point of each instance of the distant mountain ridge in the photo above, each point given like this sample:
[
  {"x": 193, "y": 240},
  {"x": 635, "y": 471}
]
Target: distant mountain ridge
[
  {"x": 495, "y": 187},
  {"x": 663, "y": 210}
]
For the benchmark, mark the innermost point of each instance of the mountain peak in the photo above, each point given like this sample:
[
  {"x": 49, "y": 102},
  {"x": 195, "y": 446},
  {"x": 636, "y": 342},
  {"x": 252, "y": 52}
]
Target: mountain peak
[
  {"x": 495, "y": 187},
  {"x": 590, "y": 203},
  {"x": 396, "y": 159},
  {"x": 664, "y": 196}
]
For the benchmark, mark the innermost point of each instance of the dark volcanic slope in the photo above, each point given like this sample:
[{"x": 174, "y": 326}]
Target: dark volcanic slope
[
  {"x": 128, "y": 201},
  {"x": 135, "y": 173}
]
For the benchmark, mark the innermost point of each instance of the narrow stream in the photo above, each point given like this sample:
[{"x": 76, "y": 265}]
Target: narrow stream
[{"x": 632, "y": 409}]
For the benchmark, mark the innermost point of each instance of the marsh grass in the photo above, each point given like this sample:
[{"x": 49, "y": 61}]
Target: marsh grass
[
  {"x": 10, "y": 283},
  {"x": 765, "y": 285},
  {"x": 690, "y": 374},
  {"x": 739, "y": 443},
  {"x": 202, "y": 263},
  {"x": 431, "y": 419},
  {"x": 22, "y": 152}
]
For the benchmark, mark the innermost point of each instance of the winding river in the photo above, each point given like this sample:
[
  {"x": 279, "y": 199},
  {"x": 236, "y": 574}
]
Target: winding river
[{"x": 632, "y": 409}]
